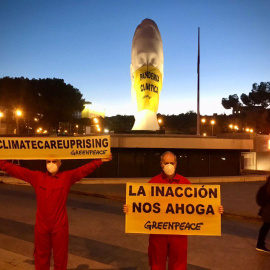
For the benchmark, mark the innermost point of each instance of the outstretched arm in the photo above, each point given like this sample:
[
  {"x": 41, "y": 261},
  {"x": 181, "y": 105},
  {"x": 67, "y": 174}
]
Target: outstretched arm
[
  {"x": 18, "y": 171},
  {"x": 83, "y": 171}
]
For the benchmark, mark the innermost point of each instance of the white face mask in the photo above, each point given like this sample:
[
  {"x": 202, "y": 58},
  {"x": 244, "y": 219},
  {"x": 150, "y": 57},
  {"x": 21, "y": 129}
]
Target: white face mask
[
  {"x": 169, "y": 169},
  {"x": 52, "y": 168}
]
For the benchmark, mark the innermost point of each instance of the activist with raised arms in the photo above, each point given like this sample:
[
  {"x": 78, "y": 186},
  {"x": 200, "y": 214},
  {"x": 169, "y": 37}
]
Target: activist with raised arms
[
  {"x": 51, "y": 188},
  {"x": 163, "y": 246}
]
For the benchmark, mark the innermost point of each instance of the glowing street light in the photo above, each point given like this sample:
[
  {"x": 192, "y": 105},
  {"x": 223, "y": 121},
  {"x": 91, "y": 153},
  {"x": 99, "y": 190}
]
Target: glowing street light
[
  {"x": 106, "y": 130},
  {"x": 251, "y": 130},
  {"x": 18, "y": 114},
  {"x": 77, "y": 126},
  {"x": 212, "y": 122},
  {"x": 204, "y": 134},
  {"x": 203, "y": 120},
  {"x": 159, "y": 120},
  {"x": 96, "y": 120},
  {"x": 1, "y": 116},
  {"x": 231, "y": 126}
]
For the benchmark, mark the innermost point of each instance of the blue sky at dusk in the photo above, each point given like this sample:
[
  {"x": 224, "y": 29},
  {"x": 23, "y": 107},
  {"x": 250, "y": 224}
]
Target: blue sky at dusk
[{"x": 88, "y": 44}]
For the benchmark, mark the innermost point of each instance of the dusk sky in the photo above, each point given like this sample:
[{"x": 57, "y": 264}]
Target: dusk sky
[{"x": 88, "y": 44}]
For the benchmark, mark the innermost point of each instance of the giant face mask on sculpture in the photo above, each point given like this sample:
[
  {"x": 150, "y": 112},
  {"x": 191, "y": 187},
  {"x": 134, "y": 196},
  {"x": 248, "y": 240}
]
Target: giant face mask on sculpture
[{"x": 146, "y": 72}]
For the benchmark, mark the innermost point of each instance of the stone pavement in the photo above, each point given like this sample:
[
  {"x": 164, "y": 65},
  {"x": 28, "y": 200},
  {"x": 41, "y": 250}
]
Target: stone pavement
[{"x": 237, "y": 196}]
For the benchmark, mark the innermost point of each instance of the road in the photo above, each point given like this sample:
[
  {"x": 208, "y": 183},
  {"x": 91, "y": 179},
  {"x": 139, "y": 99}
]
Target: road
[{"x": 98, "y": 241}]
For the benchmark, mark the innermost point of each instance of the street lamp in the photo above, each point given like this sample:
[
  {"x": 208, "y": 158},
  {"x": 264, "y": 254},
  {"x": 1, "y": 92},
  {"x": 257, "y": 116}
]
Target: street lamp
[
  {"x": 203, "y": 120},
  {"x": 96, "y": 120},
  {"x": 18, "y": 115},
  {"x": 1, "y": 115},
  {"x": 77, "y": 126},
  {"x": 212, "y": 122},
  {"x": 159, "y": 120}
]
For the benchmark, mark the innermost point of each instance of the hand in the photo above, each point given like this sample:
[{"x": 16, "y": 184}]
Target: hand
[
  {"x": 221, "y": 209},
  {"x": 125, "y": 208},
  {"x": 107, "y": 159}
]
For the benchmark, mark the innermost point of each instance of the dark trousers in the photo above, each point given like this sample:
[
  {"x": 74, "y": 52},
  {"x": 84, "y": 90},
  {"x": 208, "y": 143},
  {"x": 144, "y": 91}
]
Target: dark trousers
[{"x": 262, "y": 234}]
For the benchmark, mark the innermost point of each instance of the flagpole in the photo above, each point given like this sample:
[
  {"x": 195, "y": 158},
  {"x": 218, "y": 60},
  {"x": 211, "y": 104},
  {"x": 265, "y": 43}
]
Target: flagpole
[{"x": 198, "y": 85}]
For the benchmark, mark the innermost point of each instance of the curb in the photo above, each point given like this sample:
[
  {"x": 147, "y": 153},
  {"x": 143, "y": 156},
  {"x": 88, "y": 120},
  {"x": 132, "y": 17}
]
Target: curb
[{"x": 115, "y": 181}]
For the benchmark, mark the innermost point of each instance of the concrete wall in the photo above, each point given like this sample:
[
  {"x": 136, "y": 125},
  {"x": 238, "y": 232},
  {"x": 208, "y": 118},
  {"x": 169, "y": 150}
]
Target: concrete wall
[{"x": 179, "y": 142}]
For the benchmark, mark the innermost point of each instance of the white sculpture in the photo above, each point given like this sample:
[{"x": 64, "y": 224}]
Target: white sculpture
[{"x": 146, "y": 72}]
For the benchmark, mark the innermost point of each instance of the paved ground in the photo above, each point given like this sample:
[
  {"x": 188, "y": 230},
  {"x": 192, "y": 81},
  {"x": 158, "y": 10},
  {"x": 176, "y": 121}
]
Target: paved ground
[{"x": 98, "y": 241}]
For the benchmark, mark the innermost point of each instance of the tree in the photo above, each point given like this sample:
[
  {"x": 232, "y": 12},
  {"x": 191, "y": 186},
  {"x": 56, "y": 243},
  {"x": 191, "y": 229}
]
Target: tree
[
  {"x": 258, "y": 96},
  {"x": 52, "y": 100},
  {"x": 253, "y": 106},
  {"x": 231, "y": 102}
]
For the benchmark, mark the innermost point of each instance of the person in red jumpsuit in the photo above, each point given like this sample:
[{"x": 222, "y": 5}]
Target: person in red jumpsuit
[
  {"x": 163, "y": 246},
  {"x": 51, "y": 188}
]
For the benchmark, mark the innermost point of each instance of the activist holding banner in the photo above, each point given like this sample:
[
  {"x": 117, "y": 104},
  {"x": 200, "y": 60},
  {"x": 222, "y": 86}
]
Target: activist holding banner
[
  {"x": 51, "y": 188},
  {"x": 162, "y": 246}
]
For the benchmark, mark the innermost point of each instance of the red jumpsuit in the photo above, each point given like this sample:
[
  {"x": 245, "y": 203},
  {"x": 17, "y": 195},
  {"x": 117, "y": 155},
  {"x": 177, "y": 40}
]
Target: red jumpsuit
[
  {"x": 162, "y": 246},
  {"x": 51, "y": 228}
]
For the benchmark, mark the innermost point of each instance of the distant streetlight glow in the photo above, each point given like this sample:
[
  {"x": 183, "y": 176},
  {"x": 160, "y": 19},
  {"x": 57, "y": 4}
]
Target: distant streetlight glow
[
  {"x": 159, "y": 120},
  {"x": 231, "y": 126},
  {"x": 18, "y": 115},
  {"x": 212, "y": 123},
  {"x": 251, "y": 130},
  {"x": 96, "y": 120},
  {"x": 106, "y": 130},
  {"x": 18, "y": 112},
  {"x": 1, "y": 115},
  {"x": 203, "y": 120},
  {"x": 204, "y": 134}
]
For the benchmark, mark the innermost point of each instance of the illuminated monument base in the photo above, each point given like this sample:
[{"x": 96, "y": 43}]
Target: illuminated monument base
[{"x": 146, "y": 120}]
